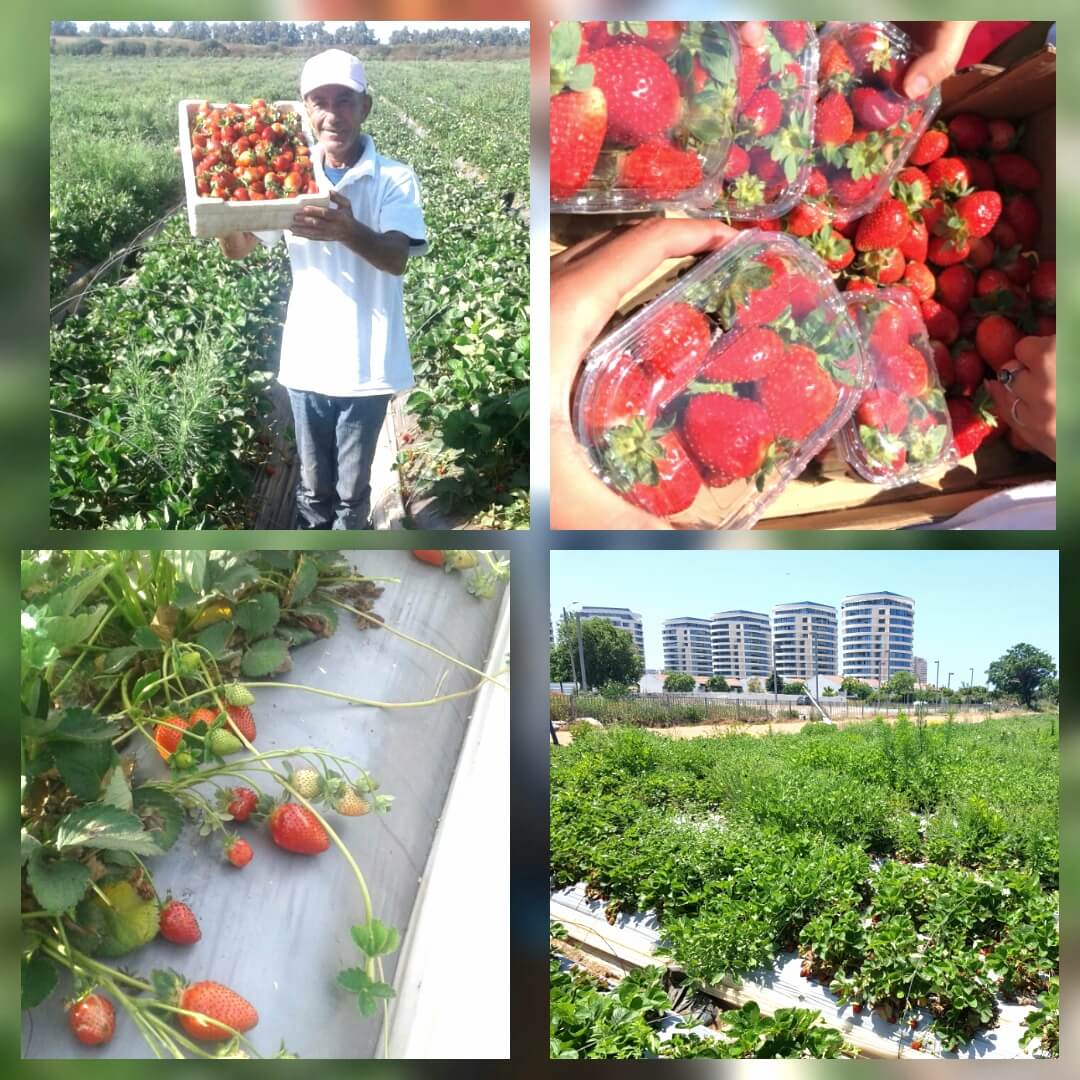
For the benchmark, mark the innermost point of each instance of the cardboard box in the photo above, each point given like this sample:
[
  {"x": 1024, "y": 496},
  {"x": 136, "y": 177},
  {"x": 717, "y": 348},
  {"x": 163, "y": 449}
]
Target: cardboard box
[
  {"x": 827, "y": 495},
  {"x": 208, "y": 216}
]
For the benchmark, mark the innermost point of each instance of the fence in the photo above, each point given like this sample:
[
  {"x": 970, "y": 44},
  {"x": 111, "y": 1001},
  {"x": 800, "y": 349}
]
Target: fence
[{"x": 670, "y": 710}]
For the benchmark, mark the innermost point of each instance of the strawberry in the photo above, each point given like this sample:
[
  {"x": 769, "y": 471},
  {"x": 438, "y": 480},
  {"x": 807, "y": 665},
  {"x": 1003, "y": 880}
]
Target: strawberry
[
  {"x": 218, "y": 1003},
  {"x": 662, "y": 37},
  {"x": 620, "y": 392},
  {"x": 991, "y": 281},
  {"x": 916, "y": 1044},
  {"x": 859, "y": 284},
  {"x": 915, "y": 245},
  {"x": 946, "y": 251},
  {"x": 744, "y": 357},
  {"x": 869, "y": 49},
  {"x": 980, "y": 173},
  {"x": 885, "y": 266},
  {"x": 1045, "y": 325},
  {"x": 835, "y": 69},
  {"x": 1023, "y": 215},
  {"x": 239, "y": 718},
  {"x": 833, "y": 248},
  {"x": 661, "y": 170},
  {"x": 885, "y": 226},
  {"x": 941, "y": 322},
  {"x": 850, "y": 191},
  {"x": 833, "y": 122},
  {"x": 932, "y": 145},
  {"x": 803, "y": 294},
  {"x": 968, "y": 131},
  {"x": 979, "y": 211},
  {"x": 753, "y": 71},
  {"x": 223, "y": 742},
  {"x": 982, "y": 252},
  {"x": 996, "y": 339},
  {"x": 876, "y": 110},
  {"x": 295, "y": 828},
  {"x": 973, "y": 422},
  {"x": 1043, "y": 285},
  {"x": 956, "y": 286},
  {"x": 168, "y": 738},
  {"x": 203, "y": 716},
  {"x": 242, "y": 801},
  {"x": 1018, "y": 267},
  {"x": 578, "y": 124},
  {"x": 641, "y": 92},
  {"x": 806, "y": 218},
  {"x": 433, "y": 558},
  {"x": 92, "y": 1020},
  {"x": 949, "y": 176},
  {"x": 889, "y": 333},
  {"x": 238, "y": 851},
  {"x": 1016, "y": 171},
  {"x": 798, "y": 395},
  {"x": 969, "y": 371},
  {"x": 943, "y": 363},
  {"x": 766, "y": 302},
  {"x": 883, "y": 410},
  {"x": 933, "y": 213},
  {"x": 913, "y": 188},
  {"x": 905, "y": 372},
  {"x": 675, "y": 343},
  {"x": 1002, "y": 135},
  {"x": 738, "y": 161},
  {"x": 917, "y": 275},
  {"x": 763, "y": 112},
  {"x": 307, "y": 783},
  {"x": 817, "y": 184},
  {"x": 791, "y": 35},
  {"x": 178, "y": 924},
  {"x": 728, "y": 437},
  {"x": 650, "y": 468},
  {"x": 350, "y": 803}
]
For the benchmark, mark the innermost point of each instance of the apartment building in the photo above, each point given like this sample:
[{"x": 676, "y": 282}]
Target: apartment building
[
  {"x": 920, "y": 667},
  {"x": 804, "y": 640},
  {"x": 877, "y": 632},
  {"x": 741, "y": 644},
  {"x": 687, "y": 644},
  {"x": 624, "y": 619}
]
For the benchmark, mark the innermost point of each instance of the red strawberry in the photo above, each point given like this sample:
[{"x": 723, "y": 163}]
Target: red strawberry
[
  {"x": 218, "y": 1003},
  {"x": 996, "y": 339},
  {"x": 917, "y": 275},
  {"x": 945, "y": 251},
  {"x": 835, "y": 249},
  {"x": 763, "y": 112},
  {"x": 876, "y": 110},
  {"x": 968, "y": 131},
  {"x": 295, "y": 828},
  {"x": 817, "y": 184},
  {"x": 578, "y": 124},
  {"x": 803, "y": 294},
  {"x": 941, "y": 322},
  {"x": 767, "y": 302},
  {"x": 980, "y": 173},
  {"x": 885, "y": 226},
  {"x": 651, "y": 472},
  {"x": 429, "y": 556},
  {"x": 979, "y": 211},
  {"x": 641, "y": 92},
  {"x": 806, "y": 218},
  {"x": 882, "y": 409},
  {"x": 241, "y": 721},
  {"x": 973, "y": 422},
  {"x": 753, "y": 71},
  {"x": 673, "y": 346},
  {"x": 1043, "y": 286},
  {"x": 949, "y": 176},
  {"x": 932, "y": 213},
  {"x": 1016, "y": 171},
  {"x": 1002, "y": 135},
  {"x": 792, "y": 35},
  {"x": 92, "y": 1020},
  {"x": 660, "y": 169},
  {"x": 177, "y": 923},
  {"x": 982, "y": 252},
  {"x": 956, "y": 286},
  {"x": 970, "y": 371},
  {"x": 890, "y": 332},
  {"x": 738, "y": 161},
  {"x": 620, "y": 392},
  {"x": 885, "y": 266},
  {"x": 798, "y": 395},
  {"x": 835, "y": 68},
  {"x": 869, "y": 49},
  {"x": 859, "y": 284},
  {"x": 660, "y": 36},
  {"x": 1017, "y": 266},
  {"x": 931, "y": 146},
  {"x": 905, "y": 371},
  {"x": 912, "y": 187},
  {"x": 833, "y": 122},
  {"x": 943, "y": 363},
  {"x": 850, "y": 191},
  {"x": 167, "y": 737},
  {"x": 744, "y": 357},
  {"x": 1045, "y": 325},
  {"x": 727, "y": 436},
  {"x": 695, "y": 82},
  {"x": 243, "y": 800},
  {"x": 238, "y": 851},
  {"x": 1023, "y": 215},
  {"x": 916, "y": 244},
  {"x": 991, "y": 281}
]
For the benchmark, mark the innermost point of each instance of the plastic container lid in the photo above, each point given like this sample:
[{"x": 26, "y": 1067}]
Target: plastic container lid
[
  {"x": 642, "y": 113},
  {"x": 771, "y": 152},
  {"x": 901, "y": 429},
  {"x": 704, "y": 404},
  {"x": 865, "y": 126}
]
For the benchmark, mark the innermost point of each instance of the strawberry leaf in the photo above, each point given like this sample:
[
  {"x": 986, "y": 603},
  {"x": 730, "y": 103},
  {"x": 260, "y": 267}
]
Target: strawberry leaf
[
  {"x": 368, "y": 991},
  {"x": 376, "y": 938}
]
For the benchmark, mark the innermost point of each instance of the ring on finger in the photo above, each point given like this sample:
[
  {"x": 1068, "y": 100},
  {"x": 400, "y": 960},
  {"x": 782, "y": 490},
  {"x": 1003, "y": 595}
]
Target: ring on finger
[
  {"x": 1005, "y": 377},
  {"x": 1017, "y": 402}
]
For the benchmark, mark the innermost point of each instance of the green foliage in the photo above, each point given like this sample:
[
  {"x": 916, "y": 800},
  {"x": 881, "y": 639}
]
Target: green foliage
[
  {"x": 1043, "y": 1022},
  {"x": 1022, "y": 671},
  {"x": 774, "y": 684},
  {"x": 794, "y": 688},
  {"x": 615, "y": 691},
  {"x": 610, "y": 653},
  {"x": 653, "y": 712},
  {"x": 679, "y": 683},
  {"x": 852, "y": 687},
  {"x": 717, "y": 684}
]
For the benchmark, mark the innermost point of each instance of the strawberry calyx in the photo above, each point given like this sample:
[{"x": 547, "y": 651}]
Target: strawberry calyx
[
  {"x": 565, "y": 72},
  {"x": 630, "y": 452}
]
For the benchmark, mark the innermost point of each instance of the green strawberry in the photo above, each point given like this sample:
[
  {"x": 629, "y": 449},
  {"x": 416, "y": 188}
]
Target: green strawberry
[
  {"x": 224, "y": 742},
  {"x": 235, "y": 694}
]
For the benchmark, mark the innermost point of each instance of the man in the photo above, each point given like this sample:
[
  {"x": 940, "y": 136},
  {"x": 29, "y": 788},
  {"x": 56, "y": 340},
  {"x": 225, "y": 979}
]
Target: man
[{"x": 344, "y": 353}]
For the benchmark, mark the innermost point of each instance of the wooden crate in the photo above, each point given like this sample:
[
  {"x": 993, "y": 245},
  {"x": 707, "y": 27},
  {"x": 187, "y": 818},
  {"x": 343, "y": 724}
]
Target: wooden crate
[{"x": 209, "y": 217}]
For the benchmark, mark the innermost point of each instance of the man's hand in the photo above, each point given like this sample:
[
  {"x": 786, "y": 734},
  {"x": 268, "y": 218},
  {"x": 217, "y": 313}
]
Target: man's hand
[{"x": 327, "y": 222}]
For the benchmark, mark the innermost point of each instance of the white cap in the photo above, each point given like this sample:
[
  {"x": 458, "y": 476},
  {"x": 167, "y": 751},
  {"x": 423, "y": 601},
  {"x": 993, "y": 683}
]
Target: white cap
[{"x": 335, "y": 67}]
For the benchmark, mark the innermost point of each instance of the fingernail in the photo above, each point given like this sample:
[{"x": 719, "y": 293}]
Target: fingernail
[{"x": 917, "y": 86}]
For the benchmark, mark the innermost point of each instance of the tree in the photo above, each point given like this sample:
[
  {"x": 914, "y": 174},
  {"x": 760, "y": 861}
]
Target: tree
[
  {"x": 1022, "y": 671},
  {"x": 64, "y": 28},
  {"x": 753, "y": 686},
  {"x": 679, "y": 683},
  {"x": 794, "y": 688},
  {"x": 901, "y": 685},
  {"x": 828, "y": 692},
  {"x": 774, "y": 684},
  {"x": 856, "y": 689},
  {"x": 610, "y": 653},
  {"x": 1049, "y": 691},
  {"x": 717, "y": 684}
]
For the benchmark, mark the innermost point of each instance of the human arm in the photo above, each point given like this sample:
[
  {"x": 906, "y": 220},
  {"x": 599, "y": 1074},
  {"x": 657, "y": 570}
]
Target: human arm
[{"x": 386, "y": 251}]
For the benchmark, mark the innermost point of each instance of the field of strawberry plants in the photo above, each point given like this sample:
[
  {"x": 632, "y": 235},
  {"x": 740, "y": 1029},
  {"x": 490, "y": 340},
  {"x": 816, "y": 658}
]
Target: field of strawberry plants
[
  {"x": 913, "y": 869},
  {"x": 172, "y": 769},
  {"x": 130, "y": 449}
]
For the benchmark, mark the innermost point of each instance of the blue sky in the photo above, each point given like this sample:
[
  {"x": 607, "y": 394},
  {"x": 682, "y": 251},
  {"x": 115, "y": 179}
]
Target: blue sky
[
  {"x": 382, "y": 29},
  {"x": 970, "y": 606}
]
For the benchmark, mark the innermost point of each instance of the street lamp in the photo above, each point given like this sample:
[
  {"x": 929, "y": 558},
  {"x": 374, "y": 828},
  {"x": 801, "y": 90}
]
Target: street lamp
[
  {"x": 937, "y": 679},
  {"x": 949, "y": 683}
]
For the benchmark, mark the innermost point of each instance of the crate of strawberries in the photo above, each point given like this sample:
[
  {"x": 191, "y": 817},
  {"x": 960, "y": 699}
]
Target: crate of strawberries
[{"x": 247, "y": 167}]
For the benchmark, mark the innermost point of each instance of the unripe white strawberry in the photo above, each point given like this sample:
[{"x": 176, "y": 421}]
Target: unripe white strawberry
[
  {"x": 307, "y": 782},
  {"x": 349, "y": 803},
  {"x": 235, "y": 694}
]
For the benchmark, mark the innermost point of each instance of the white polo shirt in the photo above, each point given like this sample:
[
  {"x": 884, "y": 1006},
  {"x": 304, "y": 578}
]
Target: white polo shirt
[{"x": 345, "y": 328}]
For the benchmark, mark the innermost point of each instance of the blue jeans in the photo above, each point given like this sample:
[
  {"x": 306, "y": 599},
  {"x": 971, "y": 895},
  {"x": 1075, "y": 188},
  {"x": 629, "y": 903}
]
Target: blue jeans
[{"x": 336, "y": 438}]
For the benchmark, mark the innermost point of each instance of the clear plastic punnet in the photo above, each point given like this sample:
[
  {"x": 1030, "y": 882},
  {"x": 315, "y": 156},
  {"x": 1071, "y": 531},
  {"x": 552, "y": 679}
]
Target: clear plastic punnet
[
  {"x": 865, "y": 127},
  {"x": 901, "y": 429},
  {"x": 641, "y": 113},
  {"x": 703, "y": 405}
]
